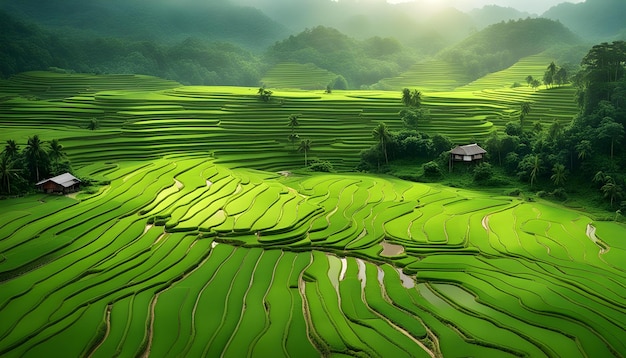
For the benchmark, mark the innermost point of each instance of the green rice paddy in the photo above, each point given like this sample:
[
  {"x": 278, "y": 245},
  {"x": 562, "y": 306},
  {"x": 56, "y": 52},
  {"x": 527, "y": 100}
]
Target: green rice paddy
[{"x": 198, "y": 247}]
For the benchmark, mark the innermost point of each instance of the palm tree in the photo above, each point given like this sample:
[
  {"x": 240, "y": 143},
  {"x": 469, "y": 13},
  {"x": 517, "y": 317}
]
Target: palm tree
[
  {"x": 7, "y": 171},
  {"x": 406, "y": 97},
  {"x": 600, "y": 177},
  {"x": 305, "y": 146},
  {"x": 11, "y": 148},
  {"x": 584, "y": 149},
  {"x": 559, "y": 174},
  {"x": 535, "y": 171},
  {"x": 612, "y": 190},
  {"x": 416, "y": 99},
  {"x": 56, "y": 151},
  {"x": 293, "y": 122},
  {"x": 524, "y": 110},
  {"x": 556, "y": 129},
  {"x": 35, "y": 154},
  {"x": 382, "y": 135}
]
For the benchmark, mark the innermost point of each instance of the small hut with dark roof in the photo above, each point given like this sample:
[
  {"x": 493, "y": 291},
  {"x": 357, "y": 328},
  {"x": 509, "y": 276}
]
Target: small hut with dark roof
[
  {"x": 467, "y": 153},
  {"x": 64, "y": 183}
]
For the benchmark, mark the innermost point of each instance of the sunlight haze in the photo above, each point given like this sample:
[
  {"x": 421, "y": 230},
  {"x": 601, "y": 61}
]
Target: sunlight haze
[{"x": 532, "y": 6}]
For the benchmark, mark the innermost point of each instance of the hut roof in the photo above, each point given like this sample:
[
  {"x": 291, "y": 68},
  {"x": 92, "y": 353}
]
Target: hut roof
[
  {"x": 65, "y": 180},
  {"x": 470, "y": 149}
]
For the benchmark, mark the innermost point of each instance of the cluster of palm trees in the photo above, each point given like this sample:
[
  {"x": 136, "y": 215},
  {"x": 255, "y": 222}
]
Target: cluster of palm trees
[{"x": 18, "y": 167}]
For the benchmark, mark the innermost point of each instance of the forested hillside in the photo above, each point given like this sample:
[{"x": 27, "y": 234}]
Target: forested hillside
[
  {"x": 160, "y": 21},
  {"x": 592, "y": 19},
  {"x": 501, "y": 45}
]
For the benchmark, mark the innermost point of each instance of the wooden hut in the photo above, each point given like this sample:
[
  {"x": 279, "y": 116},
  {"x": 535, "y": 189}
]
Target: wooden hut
[
  {"x": 466, "y": 153},
  {"x": 64, "y": 183}
]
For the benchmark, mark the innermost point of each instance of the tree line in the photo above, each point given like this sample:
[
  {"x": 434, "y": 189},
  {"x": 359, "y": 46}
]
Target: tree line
[
  {"x": 21, "y": 168},
  {"x": 196, "y": 61}
]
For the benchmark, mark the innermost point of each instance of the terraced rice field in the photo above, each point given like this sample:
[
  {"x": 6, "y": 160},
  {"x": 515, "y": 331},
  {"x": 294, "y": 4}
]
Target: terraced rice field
[
  {"x": 297, "y": 76},
  {"x": 191, "y": 252},
  {"x": 238, "y": 128}
]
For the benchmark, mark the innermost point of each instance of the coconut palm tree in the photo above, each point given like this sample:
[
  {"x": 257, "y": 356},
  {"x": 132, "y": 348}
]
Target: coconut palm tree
[
  {"x": 36, "y": 156},
  {"x": 406, "y": 97},
  {"x": 535, "y": 170},
  {"x": 293, "y": 122},
  {"x": 8, "y": 171},
  {"x": 56, "y": 151},
  {"x": 559, "y": 174},
  {"x": 416, "y": 99},
  {"x": 11, "y": 148},
  {"x": 382, "y": 135},
  {"x": 584, "y": 149},
  {"x": 612, "y": 190},
  {"x": 305, "y": 146}
]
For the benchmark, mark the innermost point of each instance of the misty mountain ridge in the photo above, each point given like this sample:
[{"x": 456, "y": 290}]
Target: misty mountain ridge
[
  {"x": 150, "y": 20},
  {"x": 258, "y": 24}
]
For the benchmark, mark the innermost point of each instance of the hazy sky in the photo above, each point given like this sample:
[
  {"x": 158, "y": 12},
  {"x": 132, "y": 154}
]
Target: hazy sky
[{"x": 531, "y": 6}]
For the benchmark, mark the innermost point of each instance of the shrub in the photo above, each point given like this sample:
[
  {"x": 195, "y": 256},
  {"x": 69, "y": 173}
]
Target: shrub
[
  {"x": 322, "y": 166},
  {"x": 514, "y": 192},
  {"x": 559, "y": 193},
  {"x": 431, "y": 170},
  {"x": 483, "y": 172}
]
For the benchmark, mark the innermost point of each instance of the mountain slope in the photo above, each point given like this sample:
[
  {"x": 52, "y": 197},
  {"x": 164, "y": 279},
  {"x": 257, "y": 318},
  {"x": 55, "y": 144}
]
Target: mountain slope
[
  {"x": 592, "y": 19},
  {"x": 501, "y": 45},
  {"x": 163, "y": 20}
]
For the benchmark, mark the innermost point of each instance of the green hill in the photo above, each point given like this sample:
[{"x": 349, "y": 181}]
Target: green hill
[
  {"x": 534, "y": 65},
  {"x": 501, "y": 45}
]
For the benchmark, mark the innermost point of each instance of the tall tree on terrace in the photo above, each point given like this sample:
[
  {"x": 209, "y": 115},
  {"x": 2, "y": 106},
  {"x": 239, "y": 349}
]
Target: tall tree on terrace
[
  {"x": 382, "y": 135},
  {"x": 529, "y": 80},
  {"x": 535, "y": 84},
  {"x": 560, "y": 78},
  {"x": 56, "y": 152},
  {"x": 550, "y": 74},
  {"x": 293, "y": 124},
  {"x": 36, "y": 156},
  {"x": 8, "y": 171},
  {"x": 293, "y": 121},
  {"x": 525, "y": 108},
  {"x": 416, "y": 99},
  {"x": 406, "y": 97},
  {"x": 305, "y": 146}
]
